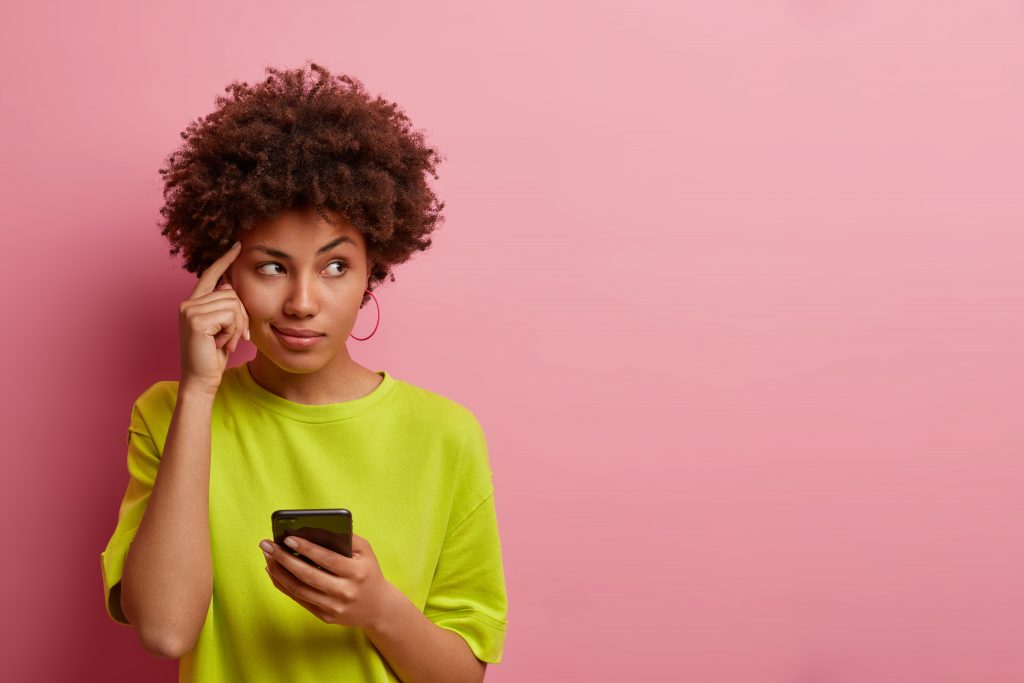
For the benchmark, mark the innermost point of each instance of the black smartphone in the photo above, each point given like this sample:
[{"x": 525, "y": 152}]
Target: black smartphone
[{"x": 330, "y": 528}]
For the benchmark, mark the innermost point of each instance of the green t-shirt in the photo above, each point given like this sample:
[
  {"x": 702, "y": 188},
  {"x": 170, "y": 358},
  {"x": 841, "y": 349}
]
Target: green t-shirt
[{"x": 411, "y": 466}]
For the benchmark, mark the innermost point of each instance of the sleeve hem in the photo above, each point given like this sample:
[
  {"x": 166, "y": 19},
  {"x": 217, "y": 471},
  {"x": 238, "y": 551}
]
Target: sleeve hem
[
  {"x": 112, "y": 567},
  {"x": 484, "y": 634}
]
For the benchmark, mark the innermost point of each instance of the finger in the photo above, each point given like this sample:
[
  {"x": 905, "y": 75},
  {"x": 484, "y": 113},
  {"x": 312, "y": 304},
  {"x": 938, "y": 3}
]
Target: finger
[
  {"x": 305, "y": 572},
  {"x": 220, "y": 294},
  {"x": 360, "y": 546},
  {"x": 295, "y": 584},
  {"x": 215, "y": 318},
  {"x": 244, "y": 328},
  {"x": 236, "y": 340},
  {"x": 228, "y": 329},
  {"x": 219, "y": 316},
  {"x": 239, "y": 331},
  {"x": 245, "y": 315},
  {"x": 208, "y": 280},
  {"x": 224, "y": 340},
  {"x": 326, "y": 558},
  {"x": 316, "y": 610}
]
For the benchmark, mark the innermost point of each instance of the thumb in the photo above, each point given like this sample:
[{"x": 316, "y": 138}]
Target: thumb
[{"x": 360, "y": 545}]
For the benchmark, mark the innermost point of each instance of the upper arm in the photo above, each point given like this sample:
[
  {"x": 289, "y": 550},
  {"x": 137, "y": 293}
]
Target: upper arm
[{"x": 143, "y": 461}]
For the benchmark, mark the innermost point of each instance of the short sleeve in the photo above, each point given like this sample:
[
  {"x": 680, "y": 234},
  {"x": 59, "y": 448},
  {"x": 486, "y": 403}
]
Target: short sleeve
[
  {"x": 467, "y": 593},
  {"x": 143, "y": 463}
]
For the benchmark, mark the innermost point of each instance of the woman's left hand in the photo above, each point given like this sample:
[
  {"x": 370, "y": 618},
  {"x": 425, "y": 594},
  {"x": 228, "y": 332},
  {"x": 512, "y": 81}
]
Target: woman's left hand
[{"x": 353, "y": 592}]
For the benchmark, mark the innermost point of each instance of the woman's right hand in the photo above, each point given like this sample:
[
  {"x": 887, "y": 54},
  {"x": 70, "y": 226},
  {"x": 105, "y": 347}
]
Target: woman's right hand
[{"x": 210, "y": 323}]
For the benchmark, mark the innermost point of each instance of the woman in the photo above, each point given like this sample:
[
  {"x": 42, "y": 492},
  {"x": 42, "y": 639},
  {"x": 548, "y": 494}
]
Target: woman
[{"x": 292, "y": 200}]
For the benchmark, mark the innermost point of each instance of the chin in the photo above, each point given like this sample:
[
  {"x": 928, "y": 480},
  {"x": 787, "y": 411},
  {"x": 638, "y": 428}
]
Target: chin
[
  {"x": 298, "y": 366},
  {"x": 299, "y": 362}
]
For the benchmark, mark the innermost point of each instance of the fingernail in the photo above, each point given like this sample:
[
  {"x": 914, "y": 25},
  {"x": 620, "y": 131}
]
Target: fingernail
[
  {"x": 291, "y": 542},
  {"x": 236, "y": 244},
  {"x": 267, "y": 548},
  {"x": 247, "y": 333}
]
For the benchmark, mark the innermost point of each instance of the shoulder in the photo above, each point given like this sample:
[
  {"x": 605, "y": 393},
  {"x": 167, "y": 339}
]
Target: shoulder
[
  {"x": 439, "y": 412},
  {"x": 159, "y": 394},
  {"x": 460, "y": 428},
  {"x": 436, "y": 406},
  {"x": 155, "y": 405}
]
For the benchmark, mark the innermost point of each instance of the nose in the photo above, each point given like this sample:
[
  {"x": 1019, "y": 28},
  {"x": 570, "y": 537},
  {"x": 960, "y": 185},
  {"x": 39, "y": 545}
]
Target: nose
[{"x": 302, "y": 296}]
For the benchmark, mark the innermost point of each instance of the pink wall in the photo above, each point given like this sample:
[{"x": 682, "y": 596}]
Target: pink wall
[{"x": 735, "y": 289}]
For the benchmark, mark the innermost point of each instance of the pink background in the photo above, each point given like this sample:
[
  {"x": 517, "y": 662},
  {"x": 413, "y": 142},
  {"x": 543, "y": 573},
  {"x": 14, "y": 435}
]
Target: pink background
[{"x": 735, "y": 289}]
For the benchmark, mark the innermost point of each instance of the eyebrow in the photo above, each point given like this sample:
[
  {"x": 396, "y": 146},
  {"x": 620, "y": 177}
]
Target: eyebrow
[{"x": 327, "y": 247}]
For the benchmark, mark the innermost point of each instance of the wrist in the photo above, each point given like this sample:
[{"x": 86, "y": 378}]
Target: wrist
[
  {"x": 389, "y": 606},
  {"x": 197, "y": 389}
]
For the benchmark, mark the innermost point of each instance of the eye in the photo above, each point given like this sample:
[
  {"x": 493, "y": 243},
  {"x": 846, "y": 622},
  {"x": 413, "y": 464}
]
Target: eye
[
  {"x": 343, "y": 267},
  {"x": 265, "y": 264}
]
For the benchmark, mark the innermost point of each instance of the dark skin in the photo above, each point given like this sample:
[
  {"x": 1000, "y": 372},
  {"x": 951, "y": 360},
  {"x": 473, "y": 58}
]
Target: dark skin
[
  {"x": 304, "y": 290},
  {"x": 354, "y": 592},
  {"x": 322, "y": 292}
]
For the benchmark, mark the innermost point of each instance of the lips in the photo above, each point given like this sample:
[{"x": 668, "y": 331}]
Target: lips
[
  {"x": 297, "y": 343},
  {"x": 295, "y": 332}
]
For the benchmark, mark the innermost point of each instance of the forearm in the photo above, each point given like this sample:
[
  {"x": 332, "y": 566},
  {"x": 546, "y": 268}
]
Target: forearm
[
  {"x": 168, "y": 579},
  {"x": 419, "y": 650}
]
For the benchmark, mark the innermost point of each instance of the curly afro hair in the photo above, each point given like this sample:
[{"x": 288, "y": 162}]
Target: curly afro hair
[{"x": 302, "y": 138}]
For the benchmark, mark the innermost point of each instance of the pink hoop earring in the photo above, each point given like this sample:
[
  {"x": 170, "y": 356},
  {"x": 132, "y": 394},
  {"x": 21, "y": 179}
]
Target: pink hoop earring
[{"x": 378, "y": 319}]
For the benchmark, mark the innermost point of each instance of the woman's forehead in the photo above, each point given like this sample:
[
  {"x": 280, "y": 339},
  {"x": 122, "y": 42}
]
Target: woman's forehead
[{"x": 304, "y": 231}]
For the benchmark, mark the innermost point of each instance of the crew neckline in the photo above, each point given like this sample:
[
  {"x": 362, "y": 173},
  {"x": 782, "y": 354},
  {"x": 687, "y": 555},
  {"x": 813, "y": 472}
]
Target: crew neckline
[{"x": 309, "y": 412}]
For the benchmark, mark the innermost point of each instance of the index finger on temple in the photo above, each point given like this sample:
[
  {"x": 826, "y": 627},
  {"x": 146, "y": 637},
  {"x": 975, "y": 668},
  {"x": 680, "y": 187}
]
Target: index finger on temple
[{"x": 208, "y": 280}]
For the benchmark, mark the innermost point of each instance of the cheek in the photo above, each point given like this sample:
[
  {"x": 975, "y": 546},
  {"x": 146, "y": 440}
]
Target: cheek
[{"x": 253, "y": 304}]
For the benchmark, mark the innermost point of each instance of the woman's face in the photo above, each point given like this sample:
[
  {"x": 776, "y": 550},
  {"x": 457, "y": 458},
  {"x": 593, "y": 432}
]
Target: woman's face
[{"x": 298, "y": 271}]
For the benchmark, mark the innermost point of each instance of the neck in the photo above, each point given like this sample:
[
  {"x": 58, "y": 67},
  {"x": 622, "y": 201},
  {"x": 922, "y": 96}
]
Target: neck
[{"x": 342, "y": 379}]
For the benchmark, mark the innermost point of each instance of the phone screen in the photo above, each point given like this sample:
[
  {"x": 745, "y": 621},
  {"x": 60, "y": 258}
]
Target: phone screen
[{"x": 330, "y": 528}]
